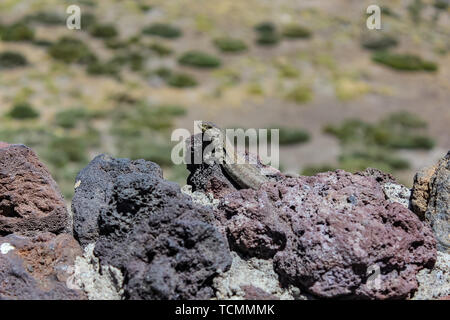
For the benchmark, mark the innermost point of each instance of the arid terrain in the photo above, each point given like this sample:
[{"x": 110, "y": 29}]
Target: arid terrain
[{"x": 129, "y": 99}]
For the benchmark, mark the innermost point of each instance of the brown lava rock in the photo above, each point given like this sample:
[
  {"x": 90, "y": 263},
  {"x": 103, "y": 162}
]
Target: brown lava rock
[
  {"x": 38, "y": 267},
  {"x": 30, "y": 200},
  {"x": 329, "y": 233}
]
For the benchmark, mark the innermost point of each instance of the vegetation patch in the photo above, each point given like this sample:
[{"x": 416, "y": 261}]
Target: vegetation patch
[
  {"x": 199, "y": 59},
  {"x": 300, "y": 94},
  {"x": 265, "y": 26},
  {"x": 294, "y": 31},
  {"x": 68, "y": 119},
  {"x": 160, "y": 49},
  {"x": 405, "y": 62},
  {"x": 289, "y": 136},
  {"x": 71, "y": 50},
  {"x": 227, "y": 44},
  {"x": 16, "y": 32},
  {"x": 46, "y": 18},
  {"x": 268, "y": 38},
  {"x": 103, "y": 31},
  {"x": 22, "y": 111},
  {"x": 181, "y": 80},
  {"x": 103, "y": 69},
  {"x": 12, "y": 59},
  {"x": 379, "y": 43},
  {"x": 373, "y": 144},
  {"x": 163, "y": 30}
]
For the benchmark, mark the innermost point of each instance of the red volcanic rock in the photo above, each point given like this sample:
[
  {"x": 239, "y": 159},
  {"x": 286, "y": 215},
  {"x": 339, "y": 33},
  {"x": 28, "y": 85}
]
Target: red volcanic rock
[
  {"x": 30, "y": 201},
  {"x": 38, "y": 267},
  {"x": 333, "y": 234}
]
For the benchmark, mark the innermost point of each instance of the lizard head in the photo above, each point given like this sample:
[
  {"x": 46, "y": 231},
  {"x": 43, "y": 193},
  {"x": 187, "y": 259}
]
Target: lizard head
[{"x": 207, "y": 125}]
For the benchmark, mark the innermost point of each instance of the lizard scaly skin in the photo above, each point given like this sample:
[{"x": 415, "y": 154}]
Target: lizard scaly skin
[{"x": 246, "y": 175}]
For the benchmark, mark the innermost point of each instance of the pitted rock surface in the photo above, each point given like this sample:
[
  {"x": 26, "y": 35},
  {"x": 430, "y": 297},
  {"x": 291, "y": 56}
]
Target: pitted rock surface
[
  {"x": 327, "y": 233},
  {"x": 93, "y": 188},
  {"x": 165, "y": 245},
  {"x": 431, "y": 200},
  {"x": 30, "y": 201},
  {"x": 38, "y": 267}
]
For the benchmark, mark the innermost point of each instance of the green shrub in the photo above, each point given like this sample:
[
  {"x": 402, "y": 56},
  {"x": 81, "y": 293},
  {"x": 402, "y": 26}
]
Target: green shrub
[
  {"x": 294, "y": 31},
  {"x": 47, "y": 18},
  {"x": 169, "y": 110},
  {"x": 11, "y": 59},
  {"x": 441, "y": 4},
  {"x": 227, "y": 44},
  {"x": 290, "y": 135},
  {"x": 68, "y": 119},
  {"x": 300, "y": 94},
  {"x": 313, "y": 170},
  {"x": 388, "y": 12},
  {"x": 133, "y": 59},
  {"x": 396, "y": 131},
  {"x": 23, "y": 111},
  {"x": 160, "y": 49},
  {"x": 87, "y": 20},
  {"x": 380, "y": 43},
  {"x": 181, "y": 80},
  {"x": 349, "y": 130},
  {"x": 71, "y": 50},
  {"x": 199, "y": 59},
  {"x": 163, "y": 72},
  {"x": 67, "y": 149},
  {"x": 268, "y": 38},
  {"x": 406, "y": 62},
  {"x": 103, "y": 69},
  {"x": 103, "y": 31},
  {"x": 404, "y": 119},
  {"x": 163, "y": 30},
  {"x": 17, "y": 32},
  {"x": 372, "y": 158},
  {"x": 114, "y": 43},
  {"x": 265, "y": 27}
]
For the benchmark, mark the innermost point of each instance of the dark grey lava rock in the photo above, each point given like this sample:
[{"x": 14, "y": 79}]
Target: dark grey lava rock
[
  {"x": 430, "y": 200},
  {"x": 93, "y": 188},
  {"x": 30, "y": 201},
  {"x": 165, "y": 245},
  {"x": 329, "y": 233},
  {"x": 38, "y": 267}
]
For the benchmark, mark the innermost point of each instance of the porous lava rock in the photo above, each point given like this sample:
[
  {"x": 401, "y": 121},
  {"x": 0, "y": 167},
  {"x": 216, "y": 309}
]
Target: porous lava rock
[
  {"x": 30, "y": 201},
  {"x": 38, "y": 267},
  {"x": 93, "y": 188},
  {"x": 334, "y": 234},
  {"x": 430, "y": 200},
  {"x": 165, "y": 245}
]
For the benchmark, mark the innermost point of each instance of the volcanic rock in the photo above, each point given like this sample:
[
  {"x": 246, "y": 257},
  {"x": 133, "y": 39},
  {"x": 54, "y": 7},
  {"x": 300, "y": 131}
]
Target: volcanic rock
[
  {"x": 30, "y": 201},
  {"x": 38, "y": 267},
  {"x": 165, "y": 245},
  {"x": 430, "y": 200},
  {"x": 329, "y": 233},
  {"x": 93, "y": 191}
]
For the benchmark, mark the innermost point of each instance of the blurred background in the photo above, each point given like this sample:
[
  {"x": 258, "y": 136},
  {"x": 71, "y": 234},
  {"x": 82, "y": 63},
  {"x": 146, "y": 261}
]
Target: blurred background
[{"x": 342, "y": 95}]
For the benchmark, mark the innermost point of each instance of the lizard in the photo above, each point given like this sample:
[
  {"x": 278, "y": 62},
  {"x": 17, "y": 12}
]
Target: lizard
[{"x": 244, "y": 174}]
